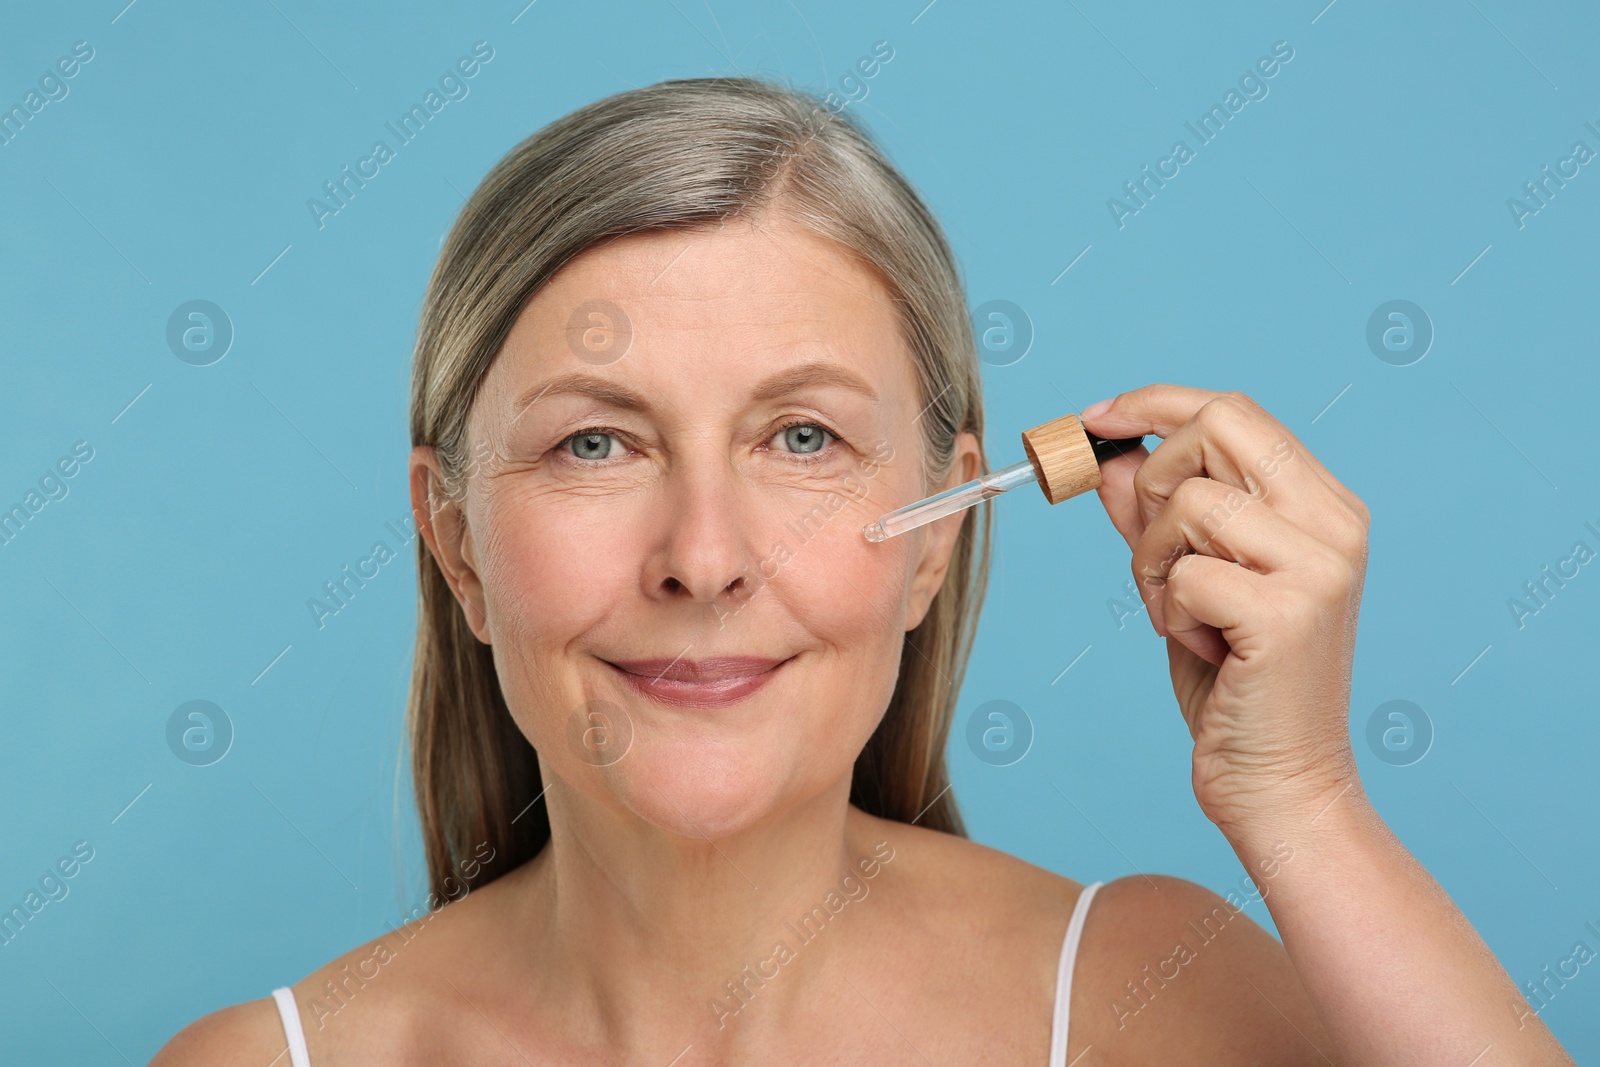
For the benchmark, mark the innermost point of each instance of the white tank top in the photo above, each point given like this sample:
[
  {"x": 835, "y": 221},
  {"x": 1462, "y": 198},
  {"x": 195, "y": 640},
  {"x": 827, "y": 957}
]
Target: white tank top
[{"x": 289, "y": 1012}]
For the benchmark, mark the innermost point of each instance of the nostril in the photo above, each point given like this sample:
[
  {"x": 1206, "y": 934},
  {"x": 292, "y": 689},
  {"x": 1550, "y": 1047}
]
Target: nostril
[{"x": 675, "y": 585}]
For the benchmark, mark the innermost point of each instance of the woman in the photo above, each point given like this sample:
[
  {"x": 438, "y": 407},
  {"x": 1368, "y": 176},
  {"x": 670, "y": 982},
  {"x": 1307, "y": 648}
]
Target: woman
[{"x": 678, "y": 728}]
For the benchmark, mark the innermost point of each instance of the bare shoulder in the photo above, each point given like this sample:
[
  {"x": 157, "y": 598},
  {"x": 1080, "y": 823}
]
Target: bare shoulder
[
  {"x": 248, "y": 1034},
  {"x": 958, "y": 876},
  {"x": 380, "y": 1002},
  {"x": 974, "y": 931},
  {"x": 1166, "y": 964},
  {"x": 251, "y": 1034}
]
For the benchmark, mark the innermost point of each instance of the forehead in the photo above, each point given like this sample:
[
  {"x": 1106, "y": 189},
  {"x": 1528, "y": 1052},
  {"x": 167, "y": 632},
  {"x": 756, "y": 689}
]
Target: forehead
[{"x": 757, "y": 294}]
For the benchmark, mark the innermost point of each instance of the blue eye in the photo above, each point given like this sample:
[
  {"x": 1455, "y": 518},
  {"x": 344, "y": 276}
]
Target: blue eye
[
  {"x": 591, "y": 444},
  {"x": 806, "y": 439}
]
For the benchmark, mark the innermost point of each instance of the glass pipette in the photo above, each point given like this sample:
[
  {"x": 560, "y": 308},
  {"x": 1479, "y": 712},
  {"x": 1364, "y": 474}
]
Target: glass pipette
[{"x": 1063, "y": 460}]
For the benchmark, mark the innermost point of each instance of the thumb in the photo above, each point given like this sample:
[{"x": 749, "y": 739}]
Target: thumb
[{"x": 1117, "y": 496}]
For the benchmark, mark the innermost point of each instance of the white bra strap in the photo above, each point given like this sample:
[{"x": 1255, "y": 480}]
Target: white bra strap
[
  {"x": 290, "y": 1014},
  {"x": 1069, "y": 953}
]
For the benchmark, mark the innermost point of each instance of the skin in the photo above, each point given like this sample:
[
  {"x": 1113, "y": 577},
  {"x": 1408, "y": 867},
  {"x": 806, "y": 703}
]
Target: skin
[{"x": 676, "y": 865}]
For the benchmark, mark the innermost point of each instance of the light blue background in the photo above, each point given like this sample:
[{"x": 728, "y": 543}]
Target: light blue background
[{"x": 179, "y": 565}]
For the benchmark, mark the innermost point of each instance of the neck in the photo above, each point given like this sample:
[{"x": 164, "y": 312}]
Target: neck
[{"x": 658, "y": 934}]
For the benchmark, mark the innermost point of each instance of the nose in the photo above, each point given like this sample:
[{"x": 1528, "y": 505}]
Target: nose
[{"x": 710, "y": 518}]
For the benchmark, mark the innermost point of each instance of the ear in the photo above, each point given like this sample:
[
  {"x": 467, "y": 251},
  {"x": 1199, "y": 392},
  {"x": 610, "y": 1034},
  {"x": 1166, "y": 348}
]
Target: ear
[
  {"x": 444, "y": 528},
  {"x": 929, "y": 565}
]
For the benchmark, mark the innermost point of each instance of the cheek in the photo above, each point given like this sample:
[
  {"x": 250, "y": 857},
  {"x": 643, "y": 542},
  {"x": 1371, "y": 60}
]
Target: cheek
[
  {"x": 552, "y": 570},
  {"x": 847, "y": 595},
  {"x": 557, "y": 567},
  {"x": 549, "y": 569},
  {"x": 836, "y": 581}
]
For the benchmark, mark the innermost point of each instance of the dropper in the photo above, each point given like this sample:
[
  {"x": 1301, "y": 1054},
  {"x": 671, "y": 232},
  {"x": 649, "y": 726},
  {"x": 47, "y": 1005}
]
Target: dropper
[{"x": 1063, "y": 460}]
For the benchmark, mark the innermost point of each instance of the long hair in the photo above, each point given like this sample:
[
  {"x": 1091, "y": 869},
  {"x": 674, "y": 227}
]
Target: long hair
[{"x": 677, "y": 155}]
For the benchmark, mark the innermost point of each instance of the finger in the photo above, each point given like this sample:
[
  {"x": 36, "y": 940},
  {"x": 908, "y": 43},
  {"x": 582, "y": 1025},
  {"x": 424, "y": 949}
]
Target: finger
[
  {"x": 1231, "y": 440},
  {"x": 1157, "y": 409},
  {"x": 1117, "y": 490},
  {"x": 1204, "y": 600},
  {"x": 1117, "y": 493},
  {"x": 1229, "y": 437},
  {"x": 1213, "y": 519}
]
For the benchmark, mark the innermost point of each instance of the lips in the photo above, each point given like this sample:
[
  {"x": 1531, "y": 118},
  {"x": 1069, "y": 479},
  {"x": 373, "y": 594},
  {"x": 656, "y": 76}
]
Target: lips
[
  {"x": 698, "y": 683},
  {"x": 679, "y": 669}
]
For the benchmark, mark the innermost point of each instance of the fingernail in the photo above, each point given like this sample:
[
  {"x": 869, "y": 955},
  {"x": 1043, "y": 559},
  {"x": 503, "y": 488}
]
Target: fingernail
[{"x": 1098, "y": 408}]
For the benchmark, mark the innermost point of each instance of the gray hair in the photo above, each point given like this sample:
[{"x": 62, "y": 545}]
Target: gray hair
[{"x": 679, "y": 155}]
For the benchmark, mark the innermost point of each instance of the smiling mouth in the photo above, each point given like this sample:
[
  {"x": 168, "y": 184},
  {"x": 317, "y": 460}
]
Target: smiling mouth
[{"x": 699, "y": 683}]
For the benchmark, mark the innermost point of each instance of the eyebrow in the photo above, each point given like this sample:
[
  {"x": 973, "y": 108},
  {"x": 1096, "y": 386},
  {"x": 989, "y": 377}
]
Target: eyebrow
[{"x": 815, "y": 374}]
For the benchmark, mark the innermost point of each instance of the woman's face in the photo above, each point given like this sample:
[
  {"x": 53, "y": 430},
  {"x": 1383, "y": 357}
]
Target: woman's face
[{"x": 673, "y": 456}]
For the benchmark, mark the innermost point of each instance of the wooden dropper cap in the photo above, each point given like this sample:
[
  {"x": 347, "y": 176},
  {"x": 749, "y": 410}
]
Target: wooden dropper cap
[{"x": 1066, "y": 457}]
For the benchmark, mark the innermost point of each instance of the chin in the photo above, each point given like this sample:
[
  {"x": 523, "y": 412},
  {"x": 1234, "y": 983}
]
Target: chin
[{"x": 700, "y": 789}]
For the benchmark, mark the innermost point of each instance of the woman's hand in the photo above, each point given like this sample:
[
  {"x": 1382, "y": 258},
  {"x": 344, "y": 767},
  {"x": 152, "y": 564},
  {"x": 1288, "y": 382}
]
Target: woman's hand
[{"x": 1250, "y": 558}]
